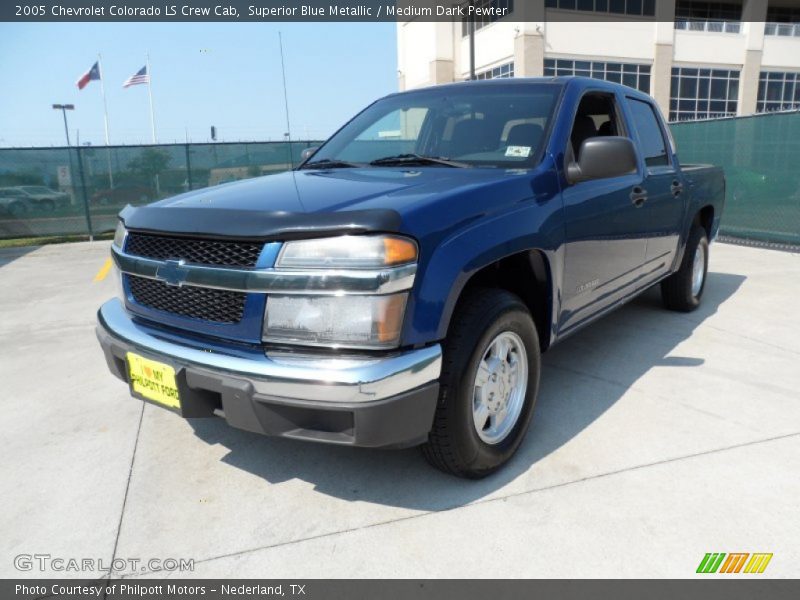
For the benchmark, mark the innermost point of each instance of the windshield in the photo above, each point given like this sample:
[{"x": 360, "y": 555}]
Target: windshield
[{"x": 494, "y": 125}]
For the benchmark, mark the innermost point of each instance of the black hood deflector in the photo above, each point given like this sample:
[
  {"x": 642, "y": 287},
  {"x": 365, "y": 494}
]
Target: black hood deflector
[{"x": 256, "y": 225}]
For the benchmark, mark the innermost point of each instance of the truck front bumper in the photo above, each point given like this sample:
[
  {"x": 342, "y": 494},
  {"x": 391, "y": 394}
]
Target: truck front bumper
[{"x": 385, "y": 401}]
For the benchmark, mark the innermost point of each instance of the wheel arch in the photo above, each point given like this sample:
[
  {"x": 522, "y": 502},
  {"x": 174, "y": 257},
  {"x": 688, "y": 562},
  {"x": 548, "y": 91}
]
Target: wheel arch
[
  {"x": 527, "y": 274},
  {"x": 705, "y": 218}
]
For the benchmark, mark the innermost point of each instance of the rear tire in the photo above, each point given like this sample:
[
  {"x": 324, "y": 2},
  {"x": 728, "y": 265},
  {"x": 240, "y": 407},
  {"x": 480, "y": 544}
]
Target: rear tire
[
  {"x": 683, "y": 290},
  {"x": 480, "y": 422}
]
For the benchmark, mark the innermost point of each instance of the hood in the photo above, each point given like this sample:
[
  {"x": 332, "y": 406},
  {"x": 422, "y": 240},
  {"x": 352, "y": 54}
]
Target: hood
[{"x": 305, "y": 203}]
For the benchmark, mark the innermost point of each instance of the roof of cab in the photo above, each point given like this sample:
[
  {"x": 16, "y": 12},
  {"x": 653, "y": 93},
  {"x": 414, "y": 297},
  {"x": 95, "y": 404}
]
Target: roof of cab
[{"x": 584, "y": 82}]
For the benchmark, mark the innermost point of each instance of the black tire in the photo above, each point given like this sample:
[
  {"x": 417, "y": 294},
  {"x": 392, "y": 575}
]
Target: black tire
[
  {"x": 17, "y": 209},
  {"x": 454, "y": 445},
  {"x": 47, "y": 205},
  {"x": 676, "y": 290}
]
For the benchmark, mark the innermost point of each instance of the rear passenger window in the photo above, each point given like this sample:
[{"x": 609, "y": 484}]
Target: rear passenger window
[{"x": 650, "y": 136}]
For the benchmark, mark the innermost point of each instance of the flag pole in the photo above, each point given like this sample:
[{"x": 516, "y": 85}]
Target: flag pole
[
  {"x": 105, "y": 120},
  {"x": 286, "y": 103},
  {"x": 150, "y": 94}
]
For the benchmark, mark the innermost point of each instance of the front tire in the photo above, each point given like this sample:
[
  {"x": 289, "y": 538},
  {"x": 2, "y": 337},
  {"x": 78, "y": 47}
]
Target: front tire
[
  {"x": 683, "y": 290},
  {"x": 488, "y": 386}
]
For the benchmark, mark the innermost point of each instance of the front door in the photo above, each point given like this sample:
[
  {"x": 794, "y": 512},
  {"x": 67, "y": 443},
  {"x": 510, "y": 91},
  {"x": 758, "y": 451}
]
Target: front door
[{"x": 605, "y": 245}]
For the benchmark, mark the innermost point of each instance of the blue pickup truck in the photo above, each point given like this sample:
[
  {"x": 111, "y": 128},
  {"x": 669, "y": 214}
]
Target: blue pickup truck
[{"x": 399, "y": 286}]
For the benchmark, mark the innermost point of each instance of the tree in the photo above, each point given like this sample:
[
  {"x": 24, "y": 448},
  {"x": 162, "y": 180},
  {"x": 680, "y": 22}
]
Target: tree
[{"x": 150, "y": 163}]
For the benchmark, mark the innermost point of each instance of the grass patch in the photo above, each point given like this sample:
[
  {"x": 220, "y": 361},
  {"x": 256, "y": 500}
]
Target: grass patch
[{"x": 51, "y": 239}]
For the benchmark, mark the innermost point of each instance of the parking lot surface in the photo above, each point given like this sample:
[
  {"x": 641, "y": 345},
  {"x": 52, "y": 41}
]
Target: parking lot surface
[{"x": 658, "y": 437}]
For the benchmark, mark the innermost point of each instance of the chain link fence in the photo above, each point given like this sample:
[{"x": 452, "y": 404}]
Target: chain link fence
[
  {"x": 79, "y": 191},
  {"x": 761, "y": 158},
  {"x": 60, "y": 191}
]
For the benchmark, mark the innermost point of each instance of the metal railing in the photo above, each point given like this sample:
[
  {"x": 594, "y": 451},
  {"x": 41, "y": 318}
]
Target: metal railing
[
  {"x": 782, "y": 29},
  {"x": 708, "y": 26}
]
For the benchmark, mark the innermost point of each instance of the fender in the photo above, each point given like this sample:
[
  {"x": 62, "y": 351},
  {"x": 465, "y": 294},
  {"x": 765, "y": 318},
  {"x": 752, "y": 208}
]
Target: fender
[{"x": 535, "y": 223}]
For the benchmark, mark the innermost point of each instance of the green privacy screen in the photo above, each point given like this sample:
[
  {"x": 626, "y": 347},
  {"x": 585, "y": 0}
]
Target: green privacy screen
[
  {"x": 761, "y": 158},
  {"x": 55, "y": 191},
  {"x": 60, "y": 191}
]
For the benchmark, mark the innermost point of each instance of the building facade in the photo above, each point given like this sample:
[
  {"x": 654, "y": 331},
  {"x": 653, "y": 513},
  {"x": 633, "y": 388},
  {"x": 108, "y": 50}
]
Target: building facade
[{"x": 698, "y": 58}]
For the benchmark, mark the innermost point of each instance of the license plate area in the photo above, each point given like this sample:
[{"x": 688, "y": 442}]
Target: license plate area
[{"x": 153, "y": 380}]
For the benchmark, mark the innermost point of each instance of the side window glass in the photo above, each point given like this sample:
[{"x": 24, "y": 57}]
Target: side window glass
[
  {"x": 596, "y": 116},
  {"x": 651, "y": 138}
]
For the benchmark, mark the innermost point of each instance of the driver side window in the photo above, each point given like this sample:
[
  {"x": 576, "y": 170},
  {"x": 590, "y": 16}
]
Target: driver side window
[{"x": 596, "y": 116}]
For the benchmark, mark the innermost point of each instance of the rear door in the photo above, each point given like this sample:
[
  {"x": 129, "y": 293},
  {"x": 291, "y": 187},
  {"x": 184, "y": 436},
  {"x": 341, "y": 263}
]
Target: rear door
[{"x": 661, "y": 213}]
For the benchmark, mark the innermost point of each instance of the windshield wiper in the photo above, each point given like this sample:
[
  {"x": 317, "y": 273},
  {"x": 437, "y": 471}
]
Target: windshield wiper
[
  {"x": 329, "y": 163},
  {"x": 404, "y": 159}
]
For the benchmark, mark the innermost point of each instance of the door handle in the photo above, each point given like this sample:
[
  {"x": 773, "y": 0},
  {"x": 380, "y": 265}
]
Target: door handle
[
  {"x": 676, "y": 188},
  {"x": 638, "y": 196}
]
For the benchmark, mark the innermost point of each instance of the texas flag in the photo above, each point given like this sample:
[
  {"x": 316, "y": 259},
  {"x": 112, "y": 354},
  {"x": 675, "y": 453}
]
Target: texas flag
[{"x": 90, "y": 75}]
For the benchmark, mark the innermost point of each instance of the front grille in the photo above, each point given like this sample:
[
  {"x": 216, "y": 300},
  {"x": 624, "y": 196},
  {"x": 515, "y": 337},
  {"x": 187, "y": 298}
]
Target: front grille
[
  {"x": 222, "y": 253},
  {"x": 220, "y": 306}
]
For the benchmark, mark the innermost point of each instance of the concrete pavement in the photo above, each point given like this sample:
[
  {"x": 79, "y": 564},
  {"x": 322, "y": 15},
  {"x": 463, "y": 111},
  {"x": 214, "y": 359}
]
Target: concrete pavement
[{"x": 658, "y": 437}]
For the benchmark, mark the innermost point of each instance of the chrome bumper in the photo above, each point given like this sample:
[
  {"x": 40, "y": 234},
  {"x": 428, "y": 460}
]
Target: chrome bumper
[{"x": 282, "y": 377}]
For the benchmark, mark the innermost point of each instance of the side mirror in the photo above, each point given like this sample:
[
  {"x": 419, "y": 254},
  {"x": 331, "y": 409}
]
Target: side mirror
[
  {"x": 603, "y": 157},
  {"x": 308, "y": 152}
]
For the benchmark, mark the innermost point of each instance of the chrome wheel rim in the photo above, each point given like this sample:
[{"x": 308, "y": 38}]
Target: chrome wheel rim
[
  {"x": 499, "y": 388},
  {"x": 698, "y": 270}
]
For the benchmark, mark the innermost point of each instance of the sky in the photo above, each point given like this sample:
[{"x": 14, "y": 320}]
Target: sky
[{"x": 203, "y": 74}]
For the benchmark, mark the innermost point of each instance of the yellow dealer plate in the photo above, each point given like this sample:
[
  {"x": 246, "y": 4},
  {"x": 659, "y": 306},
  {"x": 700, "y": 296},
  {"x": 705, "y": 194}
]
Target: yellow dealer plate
[{"x": 153, "y": 380}]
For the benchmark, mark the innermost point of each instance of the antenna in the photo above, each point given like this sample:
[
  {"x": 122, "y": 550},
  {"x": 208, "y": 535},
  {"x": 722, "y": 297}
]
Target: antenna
[{"x": 286, "y": 103}]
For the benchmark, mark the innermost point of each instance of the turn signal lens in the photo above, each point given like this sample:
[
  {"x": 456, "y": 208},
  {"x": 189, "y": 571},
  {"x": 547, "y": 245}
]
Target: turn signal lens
[{"x": 398, "y": 251}]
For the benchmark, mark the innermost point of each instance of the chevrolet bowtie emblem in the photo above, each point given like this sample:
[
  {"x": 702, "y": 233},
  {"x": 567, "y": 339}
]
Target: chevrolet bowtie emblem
[{"x": 172, "y": 272}]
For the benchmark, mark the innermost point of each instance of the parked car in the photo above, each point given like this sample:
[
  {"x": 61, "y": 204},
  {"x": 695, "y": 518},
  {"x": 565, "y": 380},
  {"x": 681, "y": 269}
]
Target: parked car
[
  {"x": 404, "y": 299},
  {"x": 124, "y": 194},
  {"x": 14, "y": 202},
  {"x": 43, "y": 198}
]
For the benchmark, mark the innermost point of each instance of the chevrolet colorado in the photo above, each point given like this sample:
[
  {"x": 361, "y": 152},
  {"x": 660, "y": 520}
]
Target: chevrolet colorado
[{"x": 399, "y": 286}]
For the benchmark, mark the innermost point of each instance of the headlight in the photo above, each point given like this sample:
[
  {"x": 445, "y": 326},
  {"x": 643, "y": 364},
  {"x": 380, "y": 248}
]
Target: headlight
[
  {"x": 348, "y": 252},
  {"x": 344, "y": 321},
  {"x": 119, "y": 235}
]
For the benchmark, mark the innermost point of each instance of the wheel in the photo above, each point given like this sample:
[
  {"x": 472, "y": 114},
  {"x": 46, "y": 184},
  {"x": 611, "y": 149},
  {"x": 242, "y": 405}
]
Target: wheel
[
  {"x": 47, "y": 205},
  {"x": 488, "y": 386},
  {"x": 103, "y": 201},
  {"x": 683, "y": 289},
  {"x": 144, "y": 199},
  {"x": 17, "y": 209}
]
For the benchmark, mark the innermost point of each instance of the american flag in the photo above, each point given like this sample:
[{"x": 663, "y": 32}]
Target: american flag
[{"x": 140, "y": 77}]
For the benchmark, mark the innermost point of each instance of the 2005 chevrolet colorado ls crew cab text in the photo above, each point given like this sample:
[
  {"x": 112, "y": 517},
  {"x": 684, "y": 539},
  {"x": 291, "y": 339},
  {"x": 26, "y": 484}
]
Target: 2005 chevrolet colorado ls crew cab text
[{"x": 398, "y": 287}]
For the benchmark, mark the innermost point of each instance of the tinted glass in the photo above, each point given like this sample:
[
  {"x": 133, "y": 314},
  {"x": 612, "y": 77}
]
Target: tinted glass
[
  {"x": 480, "y": 125},
  {"x": 650, "y": 136}
]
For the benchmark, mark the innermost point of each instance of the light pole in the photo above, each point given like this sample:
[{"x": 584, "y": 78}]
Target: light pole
[{"x": 64, "y": 108}]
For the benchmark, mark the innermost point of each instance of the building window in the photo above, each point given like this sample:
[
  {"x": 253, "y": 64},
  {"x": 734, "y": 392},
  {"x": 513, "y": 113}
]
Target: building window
[
  {"x": 697, "y": 15},
  {"x": 703, "y": 93},
  {"x": 778, "y": 91},
  {"x": 782, "y": 20},
  {"x": 783, "y": 14},
  {"x": 501, "y": 72},
  {"x": 646, "y": 8},
  {"x": 633, "y": 75},
  {"x": 505, "y": 7},
  {"x": 707, "y": 11}
]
